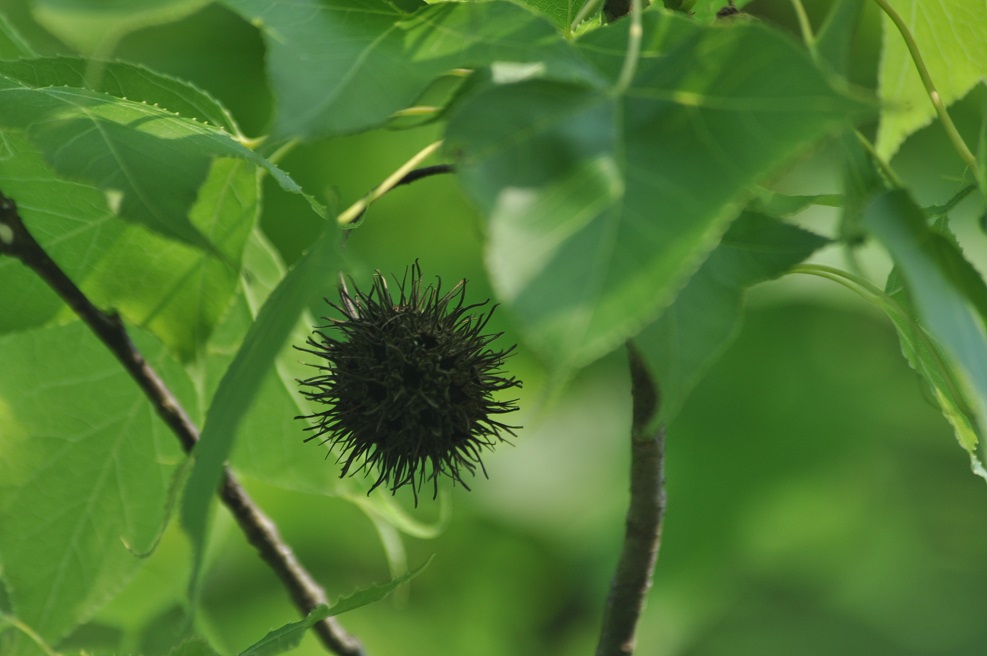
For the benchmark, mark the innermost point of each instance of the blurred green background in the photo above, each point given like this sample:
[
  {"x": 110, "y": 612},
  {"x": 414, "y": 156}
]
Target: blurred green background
[{"x": 818, "y": 503}]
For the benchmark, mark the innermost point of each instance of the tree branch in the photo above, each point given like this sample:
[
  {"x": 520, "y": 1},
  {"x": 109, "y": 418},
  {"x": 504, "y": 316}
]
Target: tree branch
[
  {"x": 261, "y": 532},
  {"x": 642, "y": 536}
]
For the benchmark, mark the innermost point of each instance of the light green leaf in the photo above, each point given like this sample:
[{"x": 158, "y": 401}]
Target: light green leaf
[
  {"x": 124, "y": 81},
  {"x": 244, "y": 378},
  {"x": 692, "y": 333},
  {"x": 149, "y": 162},
  {"x": 85, "y": 468},
  {"x": 323, "y": 54},
  {"x": 12, "y": 45},
  {"x": 290, "y": 635},
  {"x": 94, "y": 28},
  {"x": 950, "y": 300},
  {"x": 600, "y": 207},
  {"x": 952, "y": 37},
  {"x": 174, "y": 290}
]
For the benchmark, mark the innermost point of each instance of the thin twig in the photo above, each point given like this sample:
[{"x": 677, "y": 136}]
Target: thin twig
[
  {"x": 642, "y": 536},
  {"x": 930, "y": 88},
  {"x": 356, "y": 210},
  {"x": 261, "y": 532}
]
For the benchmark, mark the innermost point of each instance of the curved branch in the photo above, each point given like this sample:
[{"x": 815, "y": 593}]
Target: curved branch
[
  {"x": 642, "y": 535},
  {"x": 261, "y": 532}
]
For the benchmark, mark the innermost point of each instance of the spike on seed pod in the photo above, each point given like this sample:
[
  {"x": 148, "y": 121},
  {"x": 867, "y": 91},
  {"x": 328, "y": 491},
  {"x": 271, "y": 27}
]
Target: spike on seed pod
[{"x": 408, "y": 384}]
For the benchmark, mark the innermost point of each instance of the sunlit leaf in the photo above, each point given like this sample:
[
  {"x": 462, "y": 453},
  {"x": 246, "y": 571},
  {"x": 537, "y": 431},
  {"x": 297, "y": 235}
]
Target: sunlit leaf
[
  {"x": 244, "y": 377},
  {"x": 149, "y": 162},
  {"x": 174, "y": 290},
  {"x": 85, "y": 468},
  {"x": 600, "y": 206},
  {"x": 952, "y": 37},
  {"x": 125, "y": 81}
]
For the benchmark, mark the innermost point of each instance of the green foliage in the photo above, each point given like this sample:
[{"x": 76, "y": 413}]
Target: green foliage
[{"x": 623, "y": 193}]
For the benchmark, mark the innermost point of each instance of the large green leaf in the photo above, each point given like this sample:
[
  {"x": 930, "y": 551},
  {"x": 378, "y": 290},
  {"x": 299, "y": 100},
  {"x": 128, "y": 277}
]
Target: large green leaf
[
  {"x": 172, "y": 289},
  {"x": 344, "y": 65},
  {"x": 601, "y": 205},
  {"x": 244, "y": 377},
  {"x": 952, "y": 37},
  {"x": 950, "y": 301},
  {"x": 84, "y": 473},
  {"x": 705, "y": 317},
  {"x": 148, "y": 161}
]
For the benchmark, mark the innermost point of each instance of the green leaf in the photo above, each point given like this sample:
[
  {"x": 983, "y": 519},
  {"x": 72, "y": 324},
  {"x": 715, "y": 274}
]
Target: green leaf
[
  {"x": 94, "y": 28},
  {"x": 952, "y": 37},
  {"x": 85, "y": 469},
  {"x": 12, "y": 45},
  {"x": 124, "y": 81},
  {"x": 599, "y": 206},
  {"x": 270, "y": 446},
  {"x": 692, "y": 333},
  {"x": 149, "y": 162},
  {"x": 243, "y": 379},
  {"x": 290, "y": 635},
  {"x": 176, "y": 291},
  {"x": 950, "y": 299},
  {"x": 323, "y": 54}
]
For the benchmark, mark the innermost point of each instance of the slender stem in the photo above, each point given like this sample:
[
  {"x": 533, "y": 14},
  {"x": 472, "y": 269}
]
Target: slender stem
[
  {"x": 18, "y": 242},
  {"x": 886, "y": 169},
  {"x": 356, "y": 210},
  {"x": 805, "y": 27},
  {"x": 954, "y": 135},
  {"x": 634, "y": 35},
  {"x": 642, "y": 536}
]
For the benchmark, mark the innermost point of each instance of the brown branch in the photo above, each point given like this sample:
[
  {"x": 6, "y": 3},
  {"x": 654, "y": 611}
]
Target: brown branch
[
  {"x": 261, "y": 532},
  {"x": 642, "y": 536}
]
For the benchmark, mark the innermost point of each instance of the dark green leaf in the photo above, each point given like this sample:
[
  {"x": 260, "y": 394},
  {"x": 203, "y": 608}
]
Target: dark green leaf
[
  {"x": 705, "y": 317},
  {"x": 950, "y": 300},
  {"x": 600, "y": 206},
  {"x": 324, "y": 54}
]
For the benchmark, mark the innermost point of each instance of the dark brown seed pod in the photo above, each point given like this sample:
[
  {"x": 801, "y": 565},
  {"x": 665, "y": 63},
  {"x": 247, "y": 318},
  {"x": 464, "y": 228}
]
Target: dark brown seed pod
[{"x": 408, "y": 385}]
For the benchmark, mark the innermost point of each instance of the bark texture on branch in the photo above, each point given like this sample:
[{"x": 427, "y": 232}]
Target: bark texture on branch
[
  {"x": 17, "y": 242},
  {"x": 642, "y": 535}
]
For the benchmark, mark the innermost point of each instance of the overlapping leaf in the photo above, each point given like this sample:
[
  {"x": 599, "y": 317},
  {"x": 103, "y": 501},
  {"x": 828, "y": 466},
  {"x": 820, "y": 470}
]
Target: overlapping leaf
[
  {"x": 175, "y": 290},
  {"x": 952, "y": 37},
  {"x": 84, "y": 473},
  {"x": 339, "y": 66},
  {"x": 685, "y": 340},
  {"x": 949, "y": 301},
  {"x": 601, "y": 205},
  {"x": 149, "y": 162}
]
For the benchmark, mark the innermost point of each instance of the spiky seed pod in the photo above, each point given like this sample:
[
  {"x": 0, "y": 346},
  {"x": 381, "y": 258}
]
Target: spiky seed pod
[{"x": 409, "y": 384}]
